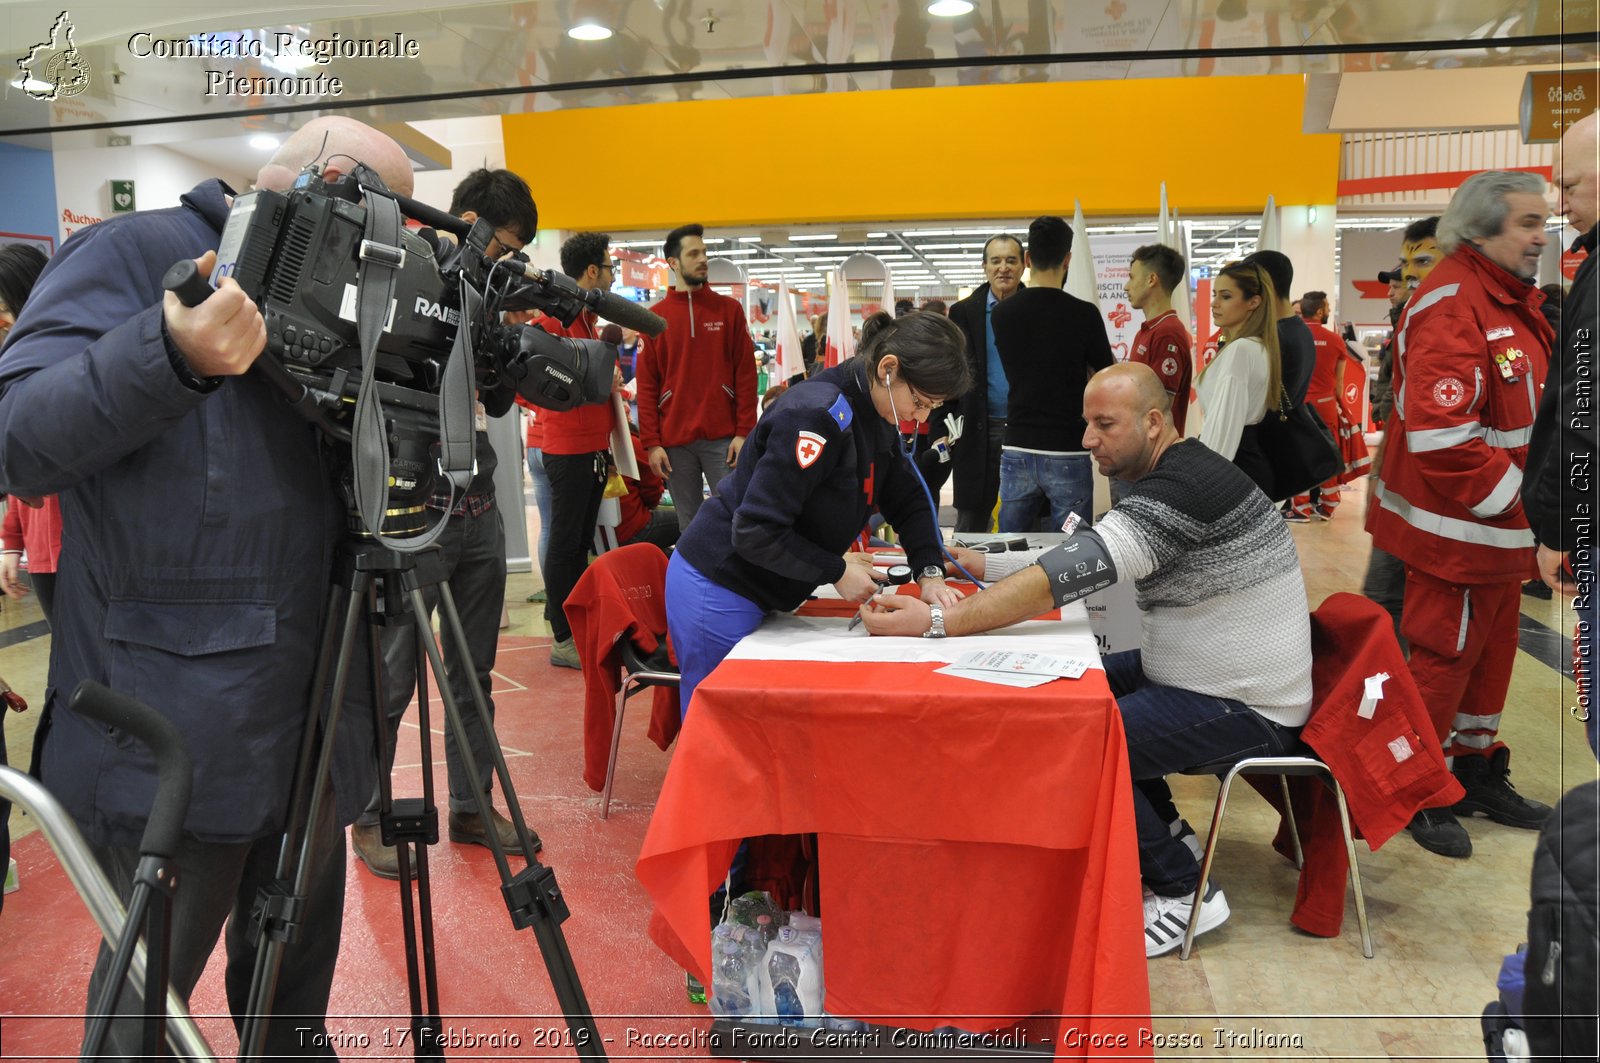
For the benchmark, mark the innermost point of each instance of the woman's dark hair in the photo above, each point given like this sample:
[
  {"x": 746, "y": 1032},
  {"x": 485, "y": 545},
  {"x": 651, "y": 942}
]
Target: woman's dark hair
[
  {"x": 611, "y": 334},
  {"x": 20, "y": 266},
  {"x": 931, "y": 348}
]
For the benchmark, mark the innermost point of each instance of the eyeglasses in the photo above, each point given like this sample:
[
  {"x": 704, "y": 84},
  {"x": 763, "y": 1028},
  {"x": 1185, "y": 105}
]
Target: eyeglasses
[
  {"x": 509, "y": 241},
  {"x": 917, "y": 401}
]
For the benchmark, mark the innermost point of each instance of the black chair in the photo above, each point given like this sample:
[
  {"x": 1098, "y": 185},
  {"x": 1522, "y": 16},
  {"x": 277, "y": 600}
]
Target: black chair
[
  {"x": 1303, "y": 763},
  {"x": 638, "y": 673}
]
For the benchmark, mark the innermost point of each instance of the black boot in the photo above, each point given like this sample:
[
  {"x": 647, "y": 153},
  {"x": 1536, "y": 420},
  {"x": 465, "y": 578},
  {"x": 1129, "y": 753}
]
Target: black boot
[
  {"x": 1438, "y": 831},
  {"x": 1490, "y": 793}
]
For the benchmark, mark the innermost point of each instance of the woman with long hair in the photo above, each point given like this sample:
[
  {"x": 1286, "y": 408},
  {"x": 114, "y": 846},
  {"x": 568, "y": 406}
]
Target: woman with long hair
[{"x": 1242, "y": 382}]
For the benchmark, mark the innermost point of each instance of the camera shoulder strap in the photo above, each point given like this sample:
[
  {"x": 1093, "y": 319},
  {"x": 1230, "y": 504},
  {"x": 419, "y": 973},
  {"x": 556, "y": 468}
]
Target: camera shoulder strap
[{"x": 381, "y": 255}]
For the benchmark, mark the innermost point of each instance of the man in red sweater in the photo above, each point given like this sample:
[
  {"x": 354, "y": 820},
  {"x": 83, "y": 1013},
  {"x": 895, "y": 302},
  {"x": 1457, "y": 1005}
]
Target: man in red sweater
[
  {"x": 577, "y": 449},
  {"x": 1163, "y": 341},
  {"x": 1327, "y": 381},
  {"x": 696, "y": 381}
]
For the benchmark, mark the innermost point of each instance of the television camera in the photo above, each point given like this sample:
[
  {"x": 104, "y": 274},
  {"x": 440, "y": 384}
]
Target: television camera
[{"x": 383, "y": 335}]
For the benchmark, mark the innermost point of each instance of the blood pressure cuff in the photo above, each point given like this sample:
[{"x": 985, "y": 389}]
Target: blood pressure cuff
[{"x": 1078, "y": 567}]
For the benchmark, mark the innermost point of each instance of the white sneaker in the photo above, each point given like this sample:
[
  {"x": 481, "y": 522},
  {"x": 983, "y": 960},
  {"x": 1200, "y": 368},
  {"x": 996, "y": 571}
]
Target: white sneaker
[
  {"x": 1166, "y": 919},
  {"x": 1184, "y": 833}
]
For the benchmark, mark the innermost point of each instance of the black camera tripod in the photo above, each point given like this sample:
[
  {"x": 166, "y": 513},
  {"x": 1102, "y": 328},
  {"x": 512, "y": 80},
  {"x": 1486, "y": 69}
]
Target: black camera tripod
[{"x": 532, "y": 897}]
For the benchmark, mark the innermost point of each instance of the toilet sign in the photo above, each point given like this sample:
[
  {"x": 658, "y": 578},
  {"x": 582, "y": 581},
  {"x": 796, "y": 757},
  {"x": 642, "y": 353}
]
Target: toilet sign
[{"x": 122, "y": 197}]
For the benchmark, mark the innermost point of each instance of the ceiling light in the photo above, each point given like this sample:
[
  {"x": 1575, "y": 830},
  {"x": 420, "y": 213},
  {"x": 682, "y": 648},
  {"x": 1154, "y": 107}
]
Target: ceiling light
[
  {"x": 262, "y": 142},
  {"x": 950, "y": 8},
  {"x": 589, "y": 30}
]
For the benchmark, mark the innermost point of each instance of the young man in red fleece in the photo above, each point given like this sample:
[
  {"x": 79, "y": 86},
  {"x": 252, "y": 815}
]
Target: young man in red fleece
[{"x": 696, "y": 381}]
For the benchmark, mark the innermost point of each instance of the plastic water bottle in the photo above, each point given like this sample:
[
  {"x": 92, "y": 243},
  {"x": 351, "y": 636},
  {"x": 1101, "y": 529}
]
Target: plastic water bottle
[
  {"x": 748, "y": 907},
  {"x": 784, "y": 970},
  {"x": 729, "y": 980},
  {"x": 767, "y": 928},
  {"x": 696, "y": 991}
]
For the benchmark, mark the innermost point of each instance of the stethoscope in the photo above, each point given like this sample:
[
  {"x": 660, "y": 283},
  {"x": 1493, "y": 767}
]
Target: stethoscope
[{"x": 908, "y": 449}]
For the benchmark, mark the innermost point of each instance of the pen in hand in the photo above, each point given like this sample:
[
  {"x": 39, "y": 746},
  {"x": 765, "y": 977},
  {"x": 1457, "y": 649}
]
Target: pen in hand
[{"x": 854, "y": 620}]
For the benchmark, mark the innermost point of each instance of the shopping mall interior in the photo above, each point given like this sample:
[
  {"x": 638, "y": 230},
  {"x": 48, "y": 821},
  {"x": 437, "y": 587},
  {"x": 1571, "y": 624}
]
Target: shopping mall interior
[{"x": 864, "y": 151}]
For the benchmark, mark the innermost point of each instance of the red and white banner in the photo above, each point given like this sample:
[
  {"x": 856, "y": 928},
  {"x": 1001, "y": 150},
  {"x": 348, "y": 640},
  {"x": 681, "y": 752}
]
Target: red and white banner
[
  {"x": 790, "y": 360},
  {"x": 841, "y": 344}
]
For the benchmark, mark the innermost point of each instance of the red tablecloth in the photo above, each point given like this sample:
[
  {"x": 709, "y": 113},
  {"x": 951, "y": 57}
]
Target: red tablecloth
[{"x": 977, "y": 851}]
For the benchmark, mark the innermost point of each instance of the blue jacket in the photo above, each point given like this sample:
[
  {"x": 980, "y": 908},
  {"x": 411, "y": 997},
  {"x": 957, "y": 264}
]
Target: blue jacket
[
  {"x": 197, "y": 533},
  {"x": 777, "y": 527}
]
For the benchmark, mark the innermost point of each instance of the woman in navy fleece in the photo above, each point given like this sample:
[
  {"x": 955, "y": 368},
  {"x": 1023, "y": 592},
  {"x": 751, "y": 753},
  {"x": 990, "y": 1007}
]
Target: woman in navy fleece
[{"x": 808, "y": 477}]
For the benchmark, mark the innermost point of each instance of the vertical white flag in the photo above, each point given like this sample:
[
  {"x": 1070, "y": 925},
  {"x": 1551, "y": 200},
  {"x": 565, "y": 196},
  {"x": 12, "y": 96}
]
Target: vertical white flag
[
  {"x": 1080, "y": 272},
  {"x": 1268, "y": 240},
  {"x": 790, "y": 359},
  {"x": 841, "y": 342},
  {"x": 1180, "y": 295},
  {"x": 1164, "y": 221}
]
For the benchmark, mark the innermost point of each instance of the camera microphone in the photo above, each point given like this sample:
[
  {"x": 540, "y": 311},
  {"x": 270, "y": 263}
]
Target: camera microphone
[{"x": 611, "y": 307}]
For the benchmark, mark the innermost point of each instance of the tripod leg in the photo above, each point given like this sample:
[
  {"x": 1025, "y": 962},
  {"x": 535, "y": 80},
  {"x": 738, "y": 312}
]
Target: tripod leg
[
  {"x": 277, "y": 915},
  {"x": 532, "y": 896},
  {"x": 422, "y": 978},
  {"x": 458, "y": 636}
]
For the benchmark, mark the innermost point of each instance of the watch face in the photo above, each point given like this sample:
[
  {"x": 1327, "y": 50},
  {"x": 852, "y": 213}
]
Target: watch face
[{"x": 931, "y": 572}]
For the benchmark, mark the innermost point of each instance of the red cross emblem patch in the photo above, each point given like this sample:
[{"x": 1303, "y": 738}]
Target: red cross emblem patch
[
  {"x": 1169, "y": 366},
  {"x": 1449, "y": 392},
  {"x": 808, "y": 448}
]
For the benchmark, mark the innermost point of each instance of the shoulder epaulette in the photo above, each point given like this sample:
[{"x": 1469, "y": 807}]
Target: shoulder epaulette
[{"x": 841, "y": 411}]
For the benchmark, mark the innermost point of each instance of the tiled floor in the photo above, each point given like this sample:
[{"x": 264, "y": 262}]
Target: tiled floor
[{"x": 1255, "y": 988}]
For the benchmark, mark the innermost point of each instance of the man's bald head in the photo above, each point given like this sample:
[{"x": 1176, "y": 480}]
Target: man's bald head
[
  {"x": 1133, "y": 385},
  {"x": 1577, "y": 187},
  {"x": 1128, "y": 420},
  {"x": 340, "y": 143}
]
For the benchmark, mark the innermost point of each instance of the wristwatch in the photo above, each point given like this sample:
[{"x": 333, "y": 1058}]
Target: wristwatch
[
  {"x": 931, "y": 572},
  {"x": 936, "y": 629}
]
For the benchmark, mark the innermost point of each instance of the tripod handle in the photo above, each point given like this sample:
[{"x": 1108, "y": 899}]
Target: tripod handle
[
  {"x": 183, "y": 280},
  {"x": 175, "y": 771}
]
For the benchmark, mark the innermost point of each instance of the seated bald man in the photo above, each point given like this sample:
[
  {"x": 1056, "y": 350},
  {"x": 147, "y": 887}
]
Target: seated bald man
[{"x": 1225, "y": 667}]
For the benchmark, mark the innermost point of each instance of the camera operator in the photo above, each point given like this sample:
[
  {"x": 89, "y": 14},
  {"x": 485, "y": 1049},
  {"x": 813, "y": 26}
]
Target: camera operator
[
  {"x": 473, "y": 550},
  {"x": 198, "y": 530}
]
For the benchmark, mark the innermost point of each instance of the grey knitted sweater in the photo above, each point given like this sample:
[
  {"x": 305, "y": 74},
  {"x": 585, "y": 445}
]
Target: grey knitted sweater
[{"x": 1222, "y": 604}]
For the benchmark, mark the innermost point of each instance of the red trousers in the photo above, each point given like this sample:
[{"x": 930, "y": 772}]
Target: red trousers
[{"x": 1463, "y": 644}]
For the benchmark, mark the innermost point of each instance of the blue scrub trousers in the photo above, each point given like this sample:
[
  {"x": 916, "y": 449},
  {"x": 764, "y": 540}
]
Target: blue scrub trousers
[{"x": 706, "y": 620}]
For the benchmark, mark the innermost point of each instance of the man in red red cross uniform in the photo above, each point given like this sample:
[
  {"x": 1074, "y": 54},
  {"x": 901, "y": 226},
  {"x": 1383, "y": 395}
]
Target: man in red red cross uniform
[{"x": 1470, "y": 356}]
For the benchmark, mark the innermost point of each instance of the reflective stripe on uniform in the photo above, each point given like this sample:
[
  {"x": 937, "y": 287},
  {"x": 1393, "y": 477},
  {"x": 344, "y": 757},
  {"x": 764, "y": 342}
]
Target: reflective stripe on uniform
[
  {"x": 1472, "y": 741},
  {"x": 1505, "y": 492},
  {"x": 1443, "y": 292},
  {"x": 1428, "y": 439},
  {"x": 1464, "y": 722},
  {"x": 1461, "y": 531}
]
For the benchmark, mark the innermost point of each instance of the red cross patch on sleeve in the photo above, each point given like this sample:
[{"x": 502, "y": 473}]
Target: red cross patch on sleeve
[
  {"x": 808, "y": 448},
  {"x": 1449, "y": 392}
]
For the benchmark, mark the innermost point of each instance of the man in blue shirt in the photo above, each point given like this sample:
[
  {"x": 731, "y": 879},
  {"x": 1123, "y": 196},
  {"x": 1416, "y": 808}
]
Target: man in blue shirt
[{"x": 975, "y": 455}]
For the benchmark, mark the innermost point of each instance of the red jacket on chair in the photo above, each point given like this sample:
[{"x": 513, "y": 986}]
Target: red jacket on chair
[
  {"x": 619, "y": 597},
  {"x": 1388, "y": 769}
]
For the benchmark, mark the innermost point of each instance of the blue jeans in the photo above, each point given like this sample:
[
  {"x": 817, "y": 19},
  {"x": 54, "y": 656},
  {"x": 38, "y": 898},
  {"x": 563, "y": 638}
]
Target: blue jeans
[
  {"x": 1170, "y": 729},
  {"x": 706, "y": 620},
  {"x": 1034, "y": 484},
  {"x": 541, "y": 500}
]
